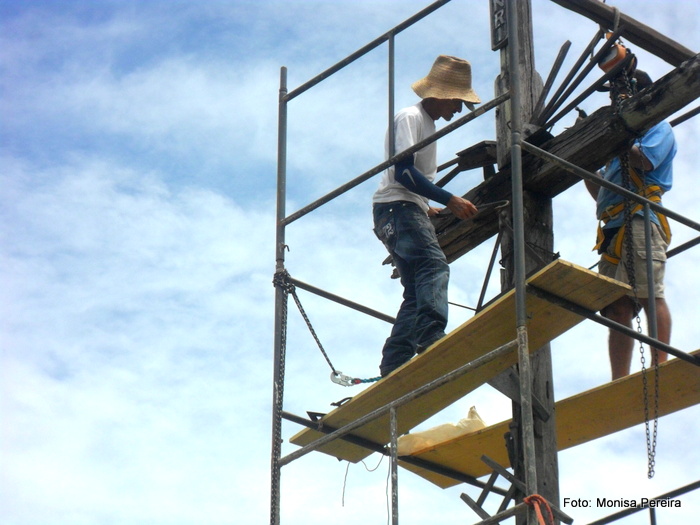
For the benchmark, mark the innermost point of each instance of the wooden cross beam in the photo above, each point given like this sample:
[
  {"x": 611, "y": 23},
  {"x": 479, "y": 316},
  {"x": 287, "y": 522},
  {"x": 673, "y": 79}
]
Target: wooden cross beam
[
  {"x": 588, "y": 144},
  {"x": 636, "y": 32}
]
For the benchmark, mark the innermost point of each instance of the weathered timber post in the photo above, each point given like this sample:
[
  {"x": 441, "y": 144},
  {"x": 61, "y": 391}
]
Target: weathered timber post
[{"x": 538, "y": 236}]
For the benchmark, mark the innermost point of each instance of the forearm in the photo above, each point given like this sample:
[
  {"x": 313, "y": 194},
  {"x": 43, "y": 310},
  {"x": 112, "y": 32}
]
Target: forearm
[{"x": 413, "y": 180}]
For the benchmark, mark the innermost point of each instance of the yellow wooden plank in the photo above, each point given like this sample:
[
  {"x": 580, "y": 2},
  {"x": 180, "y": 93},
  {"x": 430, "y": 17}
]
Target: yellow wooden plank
[
  {"x": 487, "y": 330},
  {"x": 581, "y": 418}
]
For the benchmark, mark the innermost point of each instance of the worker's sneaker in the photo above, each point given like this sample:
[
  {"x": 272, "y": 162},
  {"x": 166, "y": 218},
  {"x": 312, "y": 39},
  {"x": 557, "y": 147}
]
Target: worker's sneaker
[{"x": 423, "y": 347}]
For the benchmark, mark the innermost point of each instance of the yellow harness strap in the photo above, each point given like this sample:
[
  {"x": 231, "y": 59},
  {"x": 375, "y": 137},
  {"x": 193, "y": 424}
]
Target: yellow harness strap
[{"x": 651, "y": 192}]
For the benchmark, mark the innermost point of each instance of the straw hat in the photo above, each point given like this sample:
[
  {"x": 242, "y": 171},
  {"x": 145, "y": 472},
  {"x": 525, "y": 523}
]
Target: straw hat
[{"x": 450, "y": 77}]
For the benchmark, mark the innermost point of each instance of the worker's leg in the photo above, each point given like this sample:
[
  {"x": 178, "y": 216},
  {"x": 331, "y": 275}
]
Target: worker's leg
[
  {"x": 663, "y": 328},
  {"x": 400, "y": 346},
  {"x": 658, "y": 256},
  {"x": 620, "y": 346},
  {"x": 410, "y": 237},
  {"x": 620, "y": 356},
  {"x": 431, "y": 275}
]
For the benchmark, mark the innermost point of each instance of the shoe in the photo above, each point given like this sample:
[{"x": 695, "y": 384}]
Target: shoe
[{"x": 422, "y": 348}]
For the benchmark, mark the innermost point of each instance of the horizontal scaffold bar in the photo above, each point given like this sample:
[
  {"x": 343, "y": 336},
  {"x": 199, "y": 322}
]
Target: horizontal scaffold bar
[
  {"x": 396, "y": 158},
  {"x": 492, "y": 327}
]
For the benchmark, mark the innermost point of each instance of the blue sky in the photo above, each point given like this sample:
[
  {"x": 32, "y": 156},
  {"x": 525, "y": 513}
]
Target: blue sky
[{"x": 137, "y": 203}]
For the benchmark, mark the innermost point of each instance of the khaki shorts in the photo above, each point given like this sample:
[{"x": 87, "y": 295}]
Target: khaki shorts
[{"x": 658, "y": 250}]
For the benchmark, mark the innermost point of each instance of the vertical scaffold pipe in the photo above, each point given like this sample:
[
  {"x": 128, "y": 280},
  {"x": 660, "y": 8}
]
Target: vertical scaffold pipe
[
  {"x": 280, "y": 306},
  {"x": 393, "y": 422},
  {"x": 519, "y": 252},
  {"x": 391, "y": 109}
]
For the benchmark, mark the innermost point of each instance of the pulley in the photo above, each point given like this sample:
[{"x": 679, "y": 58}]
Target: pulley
[{"x": 616, "y": 54}]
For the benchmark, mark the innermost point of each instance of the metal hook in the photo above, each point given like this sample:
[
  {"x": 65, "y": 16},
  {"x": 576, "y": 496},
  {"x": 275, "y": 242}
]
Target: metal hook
[{"x": 341, "y": 379}]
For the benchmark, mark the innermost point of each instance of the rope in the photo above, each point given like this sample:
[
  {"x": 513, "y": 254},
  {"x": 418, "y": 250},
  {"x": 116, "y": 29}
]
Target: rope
[
  {"x": 616, "y": 19},
  {"x": 358, "y": 381},
  {"x": 345, "y": 483},
  {"x": 538, "y": 501}
]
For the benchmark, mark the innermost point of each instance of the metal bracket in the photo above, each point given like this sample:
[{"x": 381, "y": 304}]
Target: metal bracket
[{"x": 315, "y": 416}]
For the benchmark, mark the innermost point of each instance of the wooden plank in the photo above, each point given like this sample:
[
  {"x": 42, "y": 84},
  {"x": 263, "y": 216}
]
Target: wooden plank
[
  {"x": 581, "y": 418},
  {"x": 492, "y": 327},
  {"x": 476, "y": 156}
]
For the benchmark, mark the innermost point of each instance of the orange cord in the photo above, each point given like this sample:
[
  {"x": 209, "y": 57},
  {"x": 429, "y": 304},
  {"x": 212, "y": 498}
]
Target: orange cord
[{"x": 535, "y": 501}]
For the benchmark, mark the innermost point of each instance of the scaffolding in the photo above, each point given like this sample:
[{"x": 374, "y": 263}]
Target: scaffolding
[{"x": 375, "y": 427}]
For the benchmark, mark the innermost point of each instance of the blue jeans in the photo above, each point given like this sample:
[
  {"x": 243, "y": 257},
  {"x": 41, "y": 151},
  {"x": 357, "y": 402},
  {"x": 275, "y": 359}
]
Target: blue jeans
[{"x": 409, "y": 236}]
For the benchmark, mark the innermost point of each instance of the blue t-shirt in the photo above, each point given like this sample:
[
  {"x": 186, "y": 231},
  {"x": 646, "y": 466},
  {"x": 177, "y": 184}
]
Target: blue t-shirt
[{"x": 659, "y": 146}]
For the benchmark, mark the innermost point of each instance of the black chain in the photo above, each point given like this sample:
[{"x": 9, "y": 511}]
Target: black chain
[
  {"x": 629, "y": 266},
  {"x": 282, "y": 279},
  {"x": 651, "y": 436},
  {"x": 279, "y": 281}
]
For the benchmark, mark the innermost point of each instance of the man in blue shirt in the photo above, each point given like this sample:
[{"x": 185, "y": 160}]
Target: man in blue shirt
[{"x": 650, "y": 175}]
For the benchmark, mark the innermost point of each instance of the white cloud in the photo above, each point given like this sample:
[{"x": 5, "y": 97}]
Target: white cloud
[{"x": 123, "y": 345}]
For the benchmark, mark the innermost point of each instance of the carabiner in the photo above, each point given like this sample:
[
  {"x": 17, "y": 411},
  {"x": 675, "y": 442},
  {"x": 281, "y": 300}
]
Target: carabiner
[{"x": 341, "y": 379}]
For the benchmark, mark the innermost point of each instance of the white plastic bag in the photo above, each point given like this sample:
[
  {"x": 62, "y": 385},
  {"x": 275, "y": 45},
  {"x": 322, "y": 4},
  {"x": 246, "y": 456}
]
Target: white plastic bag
[{"x": 411, "y": 443}]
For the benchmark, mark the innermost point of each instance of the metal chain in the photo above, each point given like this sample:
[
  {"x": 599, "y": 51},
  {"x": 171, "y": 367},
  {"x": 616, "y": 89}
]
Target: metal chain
[
  {"x": 279, "y": 280},
  {"x": 283, "y": 279},
  {"x": 629, "y": 266},
  {"x": 651, "y": 441},
  {"x": 311, "y": 329},
  {"x": 651, "y": 448}
]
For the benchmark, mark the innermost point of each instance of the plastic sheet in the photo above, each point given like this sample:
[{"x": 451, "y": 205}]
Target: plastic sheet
[{"x": 411, "y": 443}]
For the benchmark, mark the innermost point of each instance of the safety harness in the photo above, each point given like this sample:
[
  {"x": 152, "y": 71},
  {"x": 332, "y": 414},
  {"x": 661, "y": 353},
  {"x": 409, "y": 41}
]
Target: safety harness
[{"x": 652, "y": 192}]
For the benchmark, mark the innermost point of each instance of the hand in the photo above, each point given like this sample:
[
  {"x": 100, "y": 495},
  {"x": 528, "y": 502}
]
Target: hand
[
  {"x": 462, "y": 208},
  {"x": 432, "y": 212}
]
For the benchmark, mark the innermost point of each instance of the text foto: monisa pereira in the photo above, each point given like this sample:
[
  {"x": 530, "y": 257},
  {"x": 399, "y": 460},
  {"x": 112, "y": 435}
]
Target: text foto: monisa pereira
[{"x": 622, "y": 503}]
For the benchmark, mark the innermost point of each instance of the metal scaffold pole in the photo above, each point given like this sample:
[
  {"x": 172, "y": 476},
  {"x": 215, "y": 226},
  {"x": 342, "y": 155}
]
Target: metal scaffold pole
[
  {"x": 525, "y": 237},
  {"x": 280, "y": 306},
  {"x": 519, "y": 255}
]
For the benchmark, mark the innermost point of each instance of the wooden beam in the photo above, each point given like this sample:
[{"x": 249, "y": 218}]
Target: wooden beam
[
  {"x": 636, "y": 32},
  {"x": 589, "y": 144},
  {"x": 478, "y": 156},
  {"x": 584, "y": 417}
]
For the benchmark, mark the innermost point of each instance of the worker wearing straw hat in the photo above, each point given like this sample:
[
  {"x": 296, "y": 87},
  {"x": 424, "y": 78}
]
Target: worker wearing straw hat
[{"x": 401, "y": 211}]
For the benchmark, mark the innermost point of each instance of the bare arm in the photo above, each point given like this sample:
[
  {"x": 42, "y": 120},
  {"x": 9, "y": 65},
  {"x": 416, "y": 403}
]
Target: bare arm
[
  {"x": 639, "y": 160},
  {"x": 592, "y": 187}
]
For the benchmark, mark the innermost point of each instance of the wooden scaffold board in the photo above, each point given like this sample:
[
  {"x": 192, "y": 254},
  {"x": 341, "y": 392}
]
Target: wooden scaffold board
[
  {"x": 581, "y": 418},
  {"x": 489, "y": 329}
]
